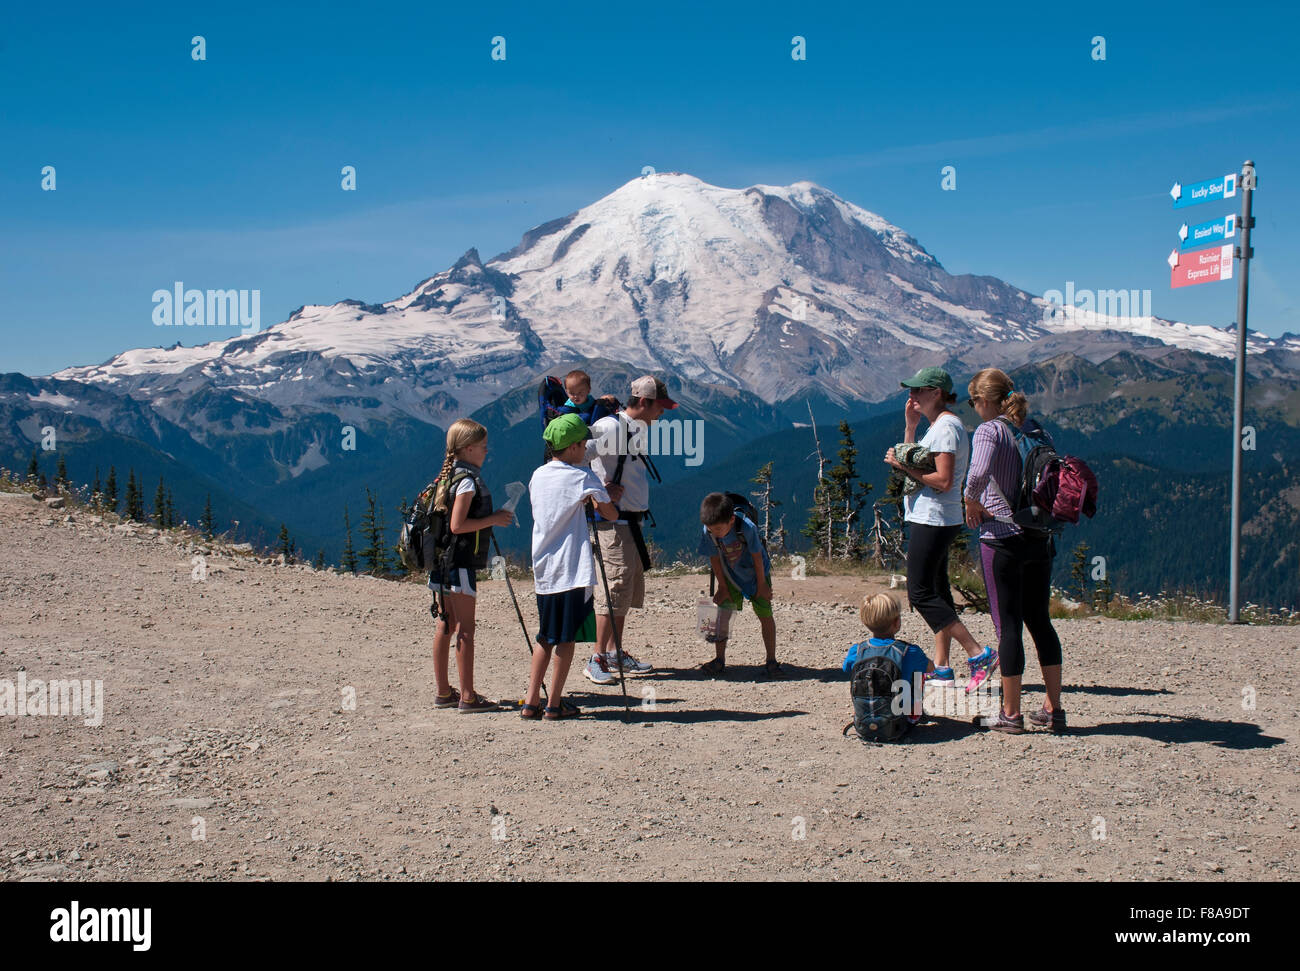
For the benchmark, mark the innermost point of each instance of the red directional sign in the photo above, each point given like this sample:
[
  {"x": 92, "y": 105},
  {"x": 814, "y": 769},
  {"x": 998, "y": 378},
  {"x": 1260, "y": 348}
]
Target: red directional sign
[{"x": 1202, "y": 266}]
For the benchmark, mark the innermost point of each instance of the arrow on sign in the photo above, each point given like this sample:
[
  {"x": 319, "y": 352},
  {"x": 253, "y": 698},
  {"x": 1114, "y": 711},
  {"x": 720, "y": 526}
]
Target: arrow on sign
[
  {"x": 1176, "y": 191},
  {"x": 1182, "y": 232},
  {"x": 1173, "y": 258}
]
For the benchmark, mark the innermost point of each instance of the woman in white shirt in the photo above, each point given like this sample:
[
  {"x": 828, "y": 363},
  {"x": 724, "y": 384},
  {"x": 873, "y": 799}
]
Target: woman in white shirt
[{"x": 935, "y": 518}]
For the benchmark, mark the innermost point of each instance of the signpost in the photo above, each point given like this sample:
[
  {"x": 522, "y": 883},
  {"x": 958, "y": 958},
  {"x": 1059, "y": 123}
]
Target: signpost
[{"x": 1192, "y": 266}]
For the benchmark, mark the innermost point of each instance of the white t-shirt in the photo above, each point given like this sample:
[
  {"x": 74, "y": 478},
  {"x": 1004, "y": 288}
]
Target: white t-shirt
[
  {"x": 602, "y": 453},
  {"x": 466, "y": 485},
  {"x": 562, "y": 557},
  {"x": 931, "y": 508}
]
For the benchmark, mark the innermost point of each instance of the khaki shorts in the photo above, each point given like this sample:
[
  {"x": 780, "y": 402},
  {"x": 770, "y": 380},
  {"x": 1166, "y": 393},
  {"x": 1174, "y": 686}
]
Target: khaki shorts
[{"x": 623, "y": 570}]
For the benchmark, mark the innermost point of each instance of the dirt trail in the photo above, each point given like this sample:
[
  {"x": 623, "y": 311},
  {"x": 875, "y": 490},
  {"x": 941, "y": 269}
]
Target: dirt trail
[{"x": 225, "y": 716}]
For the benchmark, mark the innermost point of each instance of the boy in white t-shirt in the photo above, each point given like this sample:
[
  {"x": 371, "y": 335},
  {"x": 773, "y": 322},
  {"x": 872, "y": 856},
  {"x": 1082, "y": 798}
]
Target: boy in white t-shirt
[{"x": 564, "y": 570}]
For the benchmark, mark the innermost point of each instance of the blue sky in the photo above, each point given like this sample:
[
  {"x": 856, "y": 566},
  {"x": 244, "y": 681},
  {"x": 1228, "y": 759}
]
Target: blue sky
[{"x": 225, "y": 173}]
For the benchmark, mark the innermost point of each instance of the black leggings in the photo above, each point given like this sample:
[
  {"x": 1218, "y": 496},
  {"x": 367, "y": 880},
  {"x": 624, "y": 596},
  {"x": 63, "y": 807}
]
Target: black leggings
[
  {"x": 927, "y": 573},
  {"x": 1021, "y": 571}
]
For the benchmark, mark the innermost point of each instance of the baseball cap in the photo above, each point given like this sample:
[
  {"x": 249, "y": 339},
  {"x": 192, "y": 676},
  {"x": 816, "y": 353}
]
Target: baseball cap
[
  {"x": 651, "y": 387},
  {"x": 564, "y": 431},
  {"x": 930, "y": 377}
]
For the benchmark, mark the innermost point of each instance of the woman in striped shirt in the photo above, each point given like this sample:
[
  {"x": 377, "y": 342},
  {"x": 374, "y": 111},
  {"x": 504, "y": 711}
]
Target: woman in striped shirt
[{"x": 1017, "y": 565}]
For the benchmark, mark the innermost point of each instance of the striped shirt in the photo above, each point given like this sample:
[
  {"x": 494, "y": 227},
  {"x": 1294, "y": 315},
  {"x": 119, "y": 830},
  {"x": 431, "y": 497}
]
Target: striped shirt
[{"x": 994, "y": 459}]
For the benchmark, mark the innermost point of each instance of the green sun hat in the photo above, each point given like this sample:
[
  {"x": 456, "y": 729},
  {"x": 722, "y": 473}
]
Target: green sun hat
[
  {"x": 930, "y": 377},
  {"x": 564, "y": 431}
]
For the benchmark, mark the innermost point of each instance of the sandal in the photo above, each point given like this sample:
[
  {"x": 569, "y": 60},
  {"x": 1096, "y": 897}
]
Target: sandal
[
  {"x": 714, "y": 667},
  {"x": 773, "y": 670},
  {"x": 448, "y": 700},
  {"x": 536, "y": 712},
  {"x": 565, "y": 710},
  {"x": 477, "y": 704}
]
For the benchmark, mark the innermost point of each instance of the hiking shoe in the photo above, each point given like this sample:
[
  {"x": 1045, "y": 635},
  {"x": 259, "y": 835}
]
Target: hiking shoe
[
  {"x": 941, "y": 676},
  {"x": 1004, "y": 723},
  {"x": 771, "y": 669},
  {"x": 597, "y": 671},
  {"x": 475, "y": 705},
  {"x": 630, "y": 664},
  {"x": 1044, "y": 718},
  {"x": 981, "y": 668},
  {"x": 449, "y": 700}
]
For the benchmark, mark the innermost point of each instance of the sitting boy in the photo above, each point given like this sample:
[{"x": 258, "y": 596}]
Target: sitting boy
[
  {"x": 744, "y": 572},
  {"x": 882, "y": 616}
]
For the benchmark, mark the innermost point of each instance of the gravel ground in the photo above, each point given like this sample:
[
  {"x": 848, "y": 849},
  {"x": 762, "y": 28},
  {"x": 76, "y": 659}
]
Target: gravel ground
[{"x": 271, "y": 722}]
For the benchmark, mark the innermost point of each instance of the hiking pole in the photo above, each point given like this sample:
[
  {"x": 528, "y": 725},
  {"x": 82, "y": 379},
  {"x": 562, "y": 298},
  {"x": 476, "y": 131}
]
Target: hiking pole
[
  {"x": 613, "y": 622},
  {"x": 518, "y": 613}
]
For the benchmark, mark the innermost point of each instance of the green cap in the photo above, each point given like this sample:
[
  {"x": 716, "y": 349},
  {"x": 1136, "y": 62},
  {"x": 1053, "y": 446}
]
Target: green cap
[
  {"x": 564, "y": 431},
  {"x": 930, "y": 377}
]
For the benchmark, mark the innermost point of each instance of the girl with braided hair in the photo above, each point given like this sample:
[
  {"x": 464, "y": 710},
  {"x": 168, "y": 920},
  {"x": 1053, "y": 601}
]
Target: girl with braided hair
[{"x": 462, "y": 493}]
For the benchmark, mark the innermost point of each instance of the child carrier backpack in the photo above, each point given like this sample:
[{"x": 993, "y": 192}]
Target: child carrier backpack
[
  {"x": 1053, "y": 489},
  {"x": 877, "y": 675}
]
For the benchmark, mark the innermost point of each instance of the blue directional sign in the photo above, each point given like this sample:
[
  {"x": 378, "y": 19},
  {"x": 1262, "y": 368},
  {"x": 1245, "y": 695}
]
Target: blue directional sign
[
  {"x": 1211, "y": 190},
  {"x": 1203, "y": 234}
]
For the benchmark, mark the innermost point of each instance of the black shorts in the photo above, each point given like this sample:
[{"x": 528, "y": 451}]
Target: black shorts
[
  {"x": 462, "y": 581},
  {"x": 566, "y": 617}
]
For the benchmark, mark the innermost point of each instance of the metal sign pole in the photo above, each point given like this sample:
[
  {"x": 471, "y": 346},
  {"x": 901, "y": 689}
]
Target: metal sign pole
[{"x": 1243, "y": 254}]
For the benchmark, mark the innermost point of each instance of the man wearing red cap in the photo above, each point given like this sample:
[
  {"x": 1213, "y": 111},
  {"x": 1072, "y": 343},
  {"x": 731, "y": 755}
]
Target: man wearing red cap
[{"x": 618, "y": 456}]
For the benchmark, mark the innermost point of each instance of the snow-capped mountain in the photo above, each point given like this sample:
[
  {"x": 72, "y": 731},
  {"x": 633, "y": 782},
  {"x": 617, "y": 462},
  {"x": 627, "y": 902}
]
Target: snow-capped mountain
[{"x": 780, "y": 291}]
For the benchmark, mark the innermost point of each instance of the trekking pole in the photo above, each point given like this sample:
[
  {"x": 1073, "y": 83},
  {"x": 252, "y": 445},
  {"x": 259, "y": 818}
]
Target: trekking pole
[
  {"x": 518, "y": 613},
  {"x": 618, "y": 641}
]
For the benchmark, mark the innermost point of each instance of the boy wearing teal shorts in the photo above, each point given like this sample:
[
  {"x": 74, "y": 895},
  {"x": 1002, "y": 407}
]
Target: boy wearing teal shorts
[{"x": 740, "y": 562}]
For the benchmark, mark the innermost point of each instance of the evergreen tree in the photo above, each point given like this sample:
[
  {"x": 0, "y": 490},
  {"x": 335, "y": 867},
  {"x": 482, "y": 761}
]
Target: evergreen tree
[
  {"x": 349, "y": 561},
  {"x": 160, "y": 505},
  {"x": 848, "y": 494},
  {"x": 205, "y": 522},
  {"x": 286, "y": 544},
  {"x": 33, "y": 468},
  {"x": 1104, "y": 594},
  {"x": 134, "y": 498},
  {"x": 374, "y": 555},
  {"x": 319, "y": 563},
  {"x": 1079, "y": 572},
  {"x": 171, "y": 511},
  {"x": 97, "y": 490},
  {"x": 110, "y": 489},
  {"x": 61, "y": 473}
]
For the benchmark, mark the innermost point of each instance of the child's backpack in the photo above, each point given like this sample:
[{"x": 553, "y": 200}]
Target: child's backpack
[
  {"x": 426, "y": 532},
  {"x": 878, "y": 712},
  {"x": 1042, "y": 505},
  {"x": 418, "y": 540}
]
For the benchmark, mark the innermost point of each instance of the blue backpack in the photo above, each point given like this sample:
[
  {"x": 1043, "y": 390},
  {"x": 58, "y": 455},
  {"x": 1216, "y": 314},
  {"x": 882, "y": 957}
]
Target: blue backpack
[{"x": 873, "y": 684}]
